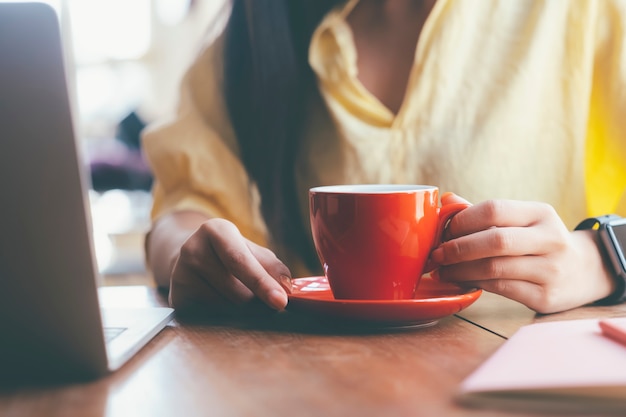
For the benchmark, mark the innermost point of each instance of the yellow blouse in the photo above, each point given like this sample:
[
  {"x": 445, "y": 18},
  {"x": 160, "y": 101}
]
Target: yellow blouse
[{"x": 506, "y": 99}]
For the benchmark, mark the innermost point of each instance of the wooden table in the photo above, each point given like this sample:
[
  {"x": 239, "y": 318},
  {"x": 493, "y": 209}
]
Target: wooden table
[{"x": 288, "y": 365}]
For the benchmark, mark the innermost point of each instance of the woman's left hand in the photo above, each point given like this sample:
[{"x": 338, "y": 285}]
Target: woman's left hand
[{"x": 523, "y": 251}]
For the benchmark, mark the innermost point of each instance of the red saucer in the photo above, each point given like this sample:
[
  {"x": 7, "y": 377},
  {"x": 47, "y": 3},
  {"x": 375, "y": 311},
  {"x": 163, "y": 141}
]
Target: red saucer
[{"x": 433, "y": 301}]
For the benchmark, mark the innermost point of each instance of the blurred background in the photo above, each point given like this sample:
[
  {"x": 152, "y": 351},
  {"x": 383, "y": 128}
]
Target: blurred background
[{"x": 125, "y": 60}]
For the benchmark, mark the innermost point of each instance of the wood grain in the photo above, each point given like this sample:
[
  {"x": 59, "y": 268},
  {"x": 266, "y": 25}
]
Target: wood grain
[{"x": 280, "y": 365}]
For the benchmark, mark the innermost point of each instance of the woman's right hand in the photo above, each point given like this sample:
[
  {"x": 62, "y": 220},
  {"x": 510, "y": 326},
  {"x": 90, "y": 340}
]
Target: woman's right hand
[{"x": 219, "y": 271}]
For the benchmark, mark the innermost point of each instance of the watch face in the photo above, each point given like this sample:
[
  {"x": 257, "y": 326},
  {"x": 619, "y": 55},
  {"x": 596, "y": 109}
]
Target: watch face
[
  {"x": 620, "y": 235},
  {"x": 617, "y": 232}
]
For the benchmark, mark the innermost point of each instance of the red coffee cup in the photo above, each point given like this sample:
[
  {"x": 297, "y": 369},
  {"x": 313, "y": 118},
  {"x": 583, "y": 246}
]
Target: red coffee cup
[{"x": 373, "y": 240}]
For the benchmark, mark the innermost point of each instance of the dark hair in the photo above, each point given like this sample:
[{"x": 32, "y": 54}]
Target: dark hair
[{"x": 267, "y": 85}]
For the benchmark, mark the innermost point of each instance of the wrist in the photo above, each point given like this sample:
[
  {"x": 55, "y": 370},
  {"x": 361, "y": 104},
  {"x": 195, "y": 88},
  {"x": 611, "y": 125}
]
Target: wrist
[{"x": 610, "y": 237}]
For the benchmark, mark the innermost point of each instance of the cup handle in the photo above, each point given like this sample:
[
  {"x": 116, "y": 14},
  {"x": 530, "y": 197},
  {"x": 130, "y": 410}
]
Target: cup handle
[{"x": 446, "y": 213}]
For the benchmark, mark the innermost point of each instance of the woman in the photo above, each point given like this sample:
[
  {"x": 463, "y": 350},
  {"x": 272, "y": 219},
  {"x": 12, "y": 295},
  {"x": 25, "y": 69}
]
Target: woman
[{"x": 514, "y": 105}]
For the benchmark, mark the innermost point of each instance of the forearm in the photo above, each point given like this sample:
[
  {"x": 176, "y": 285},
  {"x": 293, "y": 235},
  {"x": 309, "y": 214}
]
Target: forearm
[{"x": 165, "y": 239}]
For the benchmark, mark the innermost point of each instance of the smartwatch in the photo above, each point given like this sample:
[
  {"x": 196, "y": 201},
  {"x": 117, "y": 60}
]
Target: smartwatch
[{"x": 612, "y": 235}]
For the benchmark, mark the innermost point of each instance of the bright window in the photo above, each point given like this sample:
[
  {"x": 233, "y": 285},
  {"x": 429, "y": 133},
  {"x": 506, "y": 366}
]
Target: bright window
[{"x": 109, "y": 30}]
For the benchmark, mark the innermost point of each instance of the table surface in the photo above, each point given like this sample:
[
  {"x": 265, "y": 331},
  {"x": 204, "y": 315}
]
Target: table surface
[{"x": 289, "y": 365}]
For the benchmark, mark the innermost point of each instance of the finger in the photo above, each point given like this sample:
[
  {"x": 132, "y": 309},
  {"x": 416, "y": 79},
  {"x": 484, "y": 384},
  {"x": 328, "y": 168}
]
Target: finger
[
  {"x": 521, "y": 268},
  {"x": 498, "y": 213},
  {"x": 527, "y": 293},
  {"x": 235, "y": 290},
  {"x": 451, "y": 198},
  {"x": 230, "y": 246},
  {"x": 496, "y": 242},
  {"x": 188, "y": 288},
  {"x": 510, "y": 277},
  {"x": 272, "y": 265},
  {"x": 192, "y": 296},
  {"x": 200, "y": 269}
]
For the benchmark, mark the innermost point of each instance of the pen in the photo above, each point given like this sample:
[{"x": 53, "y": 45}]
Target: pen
[{"x": 614, "y": 331}]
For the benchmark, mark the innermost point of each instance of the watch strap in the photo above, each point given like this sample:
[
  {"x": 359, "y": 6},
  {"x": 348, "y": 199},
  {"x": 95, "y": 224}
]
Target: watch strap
[
  {"x": 592, "y": 222},
  {"x": 619, "y": 295}
]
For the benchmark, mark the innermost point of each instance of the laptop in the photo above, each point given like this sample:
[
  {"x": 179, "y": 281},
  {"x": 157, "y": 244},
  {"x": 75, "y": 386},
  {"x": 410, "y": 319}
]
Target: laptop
[{"x": 51, "y": 325}]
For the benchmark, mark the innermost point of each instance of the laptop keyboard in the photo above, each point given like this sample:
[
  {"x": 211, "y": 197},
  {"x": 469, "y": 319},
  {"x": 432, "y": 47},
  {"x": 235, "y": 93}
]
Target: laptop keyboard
[{"x": 111, "y": 333}]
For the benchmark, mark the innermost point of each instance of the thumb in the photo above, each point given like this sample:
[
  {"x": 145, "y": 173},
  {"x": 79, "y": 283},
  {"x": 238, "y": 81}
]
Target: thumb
[{"x": 451, "y": 198}]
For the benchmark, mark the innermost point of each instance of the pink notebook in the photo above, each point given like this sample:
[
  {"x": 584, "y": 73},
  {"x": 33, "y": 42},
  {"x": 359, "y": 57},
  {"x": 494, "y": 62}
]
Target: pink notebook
[{"x": 562, "y": 365}]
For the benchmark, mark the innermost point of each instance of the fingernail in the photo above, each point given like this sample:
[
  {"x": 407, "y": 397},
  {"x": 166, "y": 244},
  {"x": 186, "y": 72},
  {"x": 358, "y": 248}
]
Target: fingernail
[
  {"x": 285, "y": 282},
  {"x": 430, "y": 265},
  {"x": 434, "y": 274},
  {"x": 436, "y": 256},
  {"x": 277, "y": 300}
]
